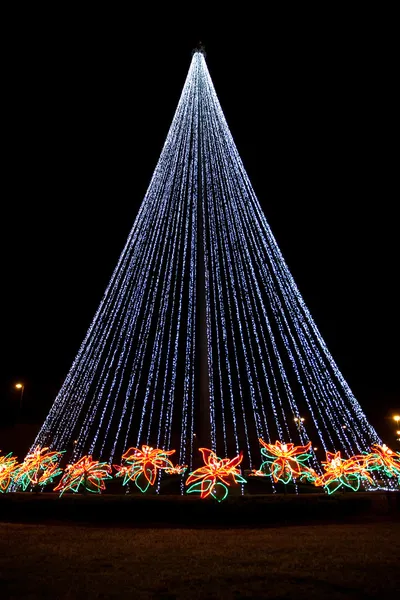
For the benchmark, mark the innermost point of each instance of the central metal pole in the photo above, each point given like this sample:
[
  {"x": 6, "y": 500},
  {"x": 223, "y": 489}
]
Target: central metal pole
[{"x": 203, "y": 433}]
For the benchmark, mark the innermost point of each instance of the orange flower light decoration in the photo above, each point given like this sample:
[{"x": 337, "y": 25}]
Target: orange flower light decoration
[
  {"x": 285, "y": 461},
  {"x": 176, "y": 470},
  {"x": 212, "y": 479},
  {"x": 343, "y": 472},
  {"x": 86, "y": 473},
  {"x": 8, "y": 465},
  {"x": 257, "y": 473},
  {"x": 39, "y": 468},
  {"x": 383, "y": 458},
  {"x": 142, "y": 466}
]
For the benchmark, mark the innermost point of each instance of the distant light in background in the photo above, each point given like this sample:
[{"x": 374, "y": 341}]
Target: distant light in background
[{"x": 20, "y": 386}]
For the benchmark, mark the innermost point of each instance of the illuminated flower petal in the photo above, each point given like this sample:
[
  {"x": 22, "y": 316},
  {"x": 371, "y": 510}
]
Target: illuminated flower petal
[
  {"x": 219, "y": 491},
  {"x": 142, "y": 482}
]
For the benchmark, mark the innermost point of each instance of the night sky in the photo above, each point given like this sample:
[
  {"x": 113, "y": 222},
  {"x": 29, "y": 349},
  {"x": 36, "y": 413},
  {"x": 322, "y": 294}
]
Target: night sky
[{"x": 314, "y": 114}]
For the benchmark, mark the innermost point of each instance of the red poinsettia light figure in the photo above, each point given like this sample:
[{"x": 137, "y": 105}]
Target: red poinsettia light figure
[
  {"x": 142, "y": 465},
  {"x": 39, "y": 468},
  {"x": 343, "y": 472},
  {"x": 285, "y": 461},
  {"x": 385, "y": 459},
  {"x": 176, "y": 470},
  {"x": 86, "y": 474},
  {"x": 8, "y": 466},
  {"x": 216, "y": 476},
  {"x": 257, "y": 473}
]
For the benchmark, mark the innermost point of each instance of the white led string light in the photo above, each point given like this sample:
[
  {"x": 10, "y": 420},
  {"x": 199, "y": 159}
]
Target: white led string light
[{"x": 268, "y": 366}]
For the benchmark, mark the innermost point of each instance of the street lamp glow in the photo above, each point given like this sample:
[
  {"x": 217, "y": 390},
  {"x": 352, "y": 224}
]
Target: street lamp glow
[
  {"x": 20, "y": 386},
  {"x": 396, "y": 418}
]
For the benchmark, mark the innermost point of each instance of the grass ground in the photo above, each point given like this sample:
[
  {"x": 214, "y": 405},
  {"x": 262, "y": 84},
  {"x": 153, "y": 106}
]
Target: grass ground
[
  {"x": 190, "y": 511},
  {"x": 300, "y": 562}
]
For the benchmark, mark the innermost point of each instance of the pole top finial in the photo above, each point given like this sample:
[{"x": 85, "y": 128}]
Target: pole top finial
[{"x": 199, "y": 48}]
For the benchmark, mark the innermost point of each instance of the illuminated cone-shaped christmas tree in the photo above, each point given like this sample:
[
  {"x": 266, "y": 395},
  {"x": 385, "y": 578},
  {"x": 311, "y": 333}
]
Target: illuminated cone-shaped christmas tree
[{"x": 202, "y": 338}]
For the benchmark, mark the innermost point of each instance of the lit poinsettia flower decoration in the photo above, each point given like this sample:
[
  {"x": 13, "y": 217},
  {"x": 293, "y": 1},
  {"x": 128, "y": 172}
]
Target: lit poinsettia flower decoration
[
  {"x": 142, "y": 465},
  {"x": 176, "y": 470},
  {"x": 285, "y": 461},
  {"x": 86, "y": 474},
  {"x": 257, "y": 473},
  {"x": 39, "y": 468},
  {"x": 216, "y": 476},
  {"x": 383, "y": 458},
  {"x": 8, "y": 466},
  {"x": 348, "y": 472}
]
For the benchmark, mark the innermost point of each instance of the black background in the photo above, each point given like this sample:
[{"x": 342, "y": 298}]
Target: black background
[{"x": 312, "y": 103}]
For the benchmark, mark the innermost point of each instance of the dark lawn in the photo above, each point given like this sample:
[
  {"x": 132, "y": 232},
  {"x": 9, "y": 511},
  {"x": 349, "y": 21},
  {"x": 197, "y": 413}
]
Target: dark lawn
[{"x": 319, "y": 561}]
